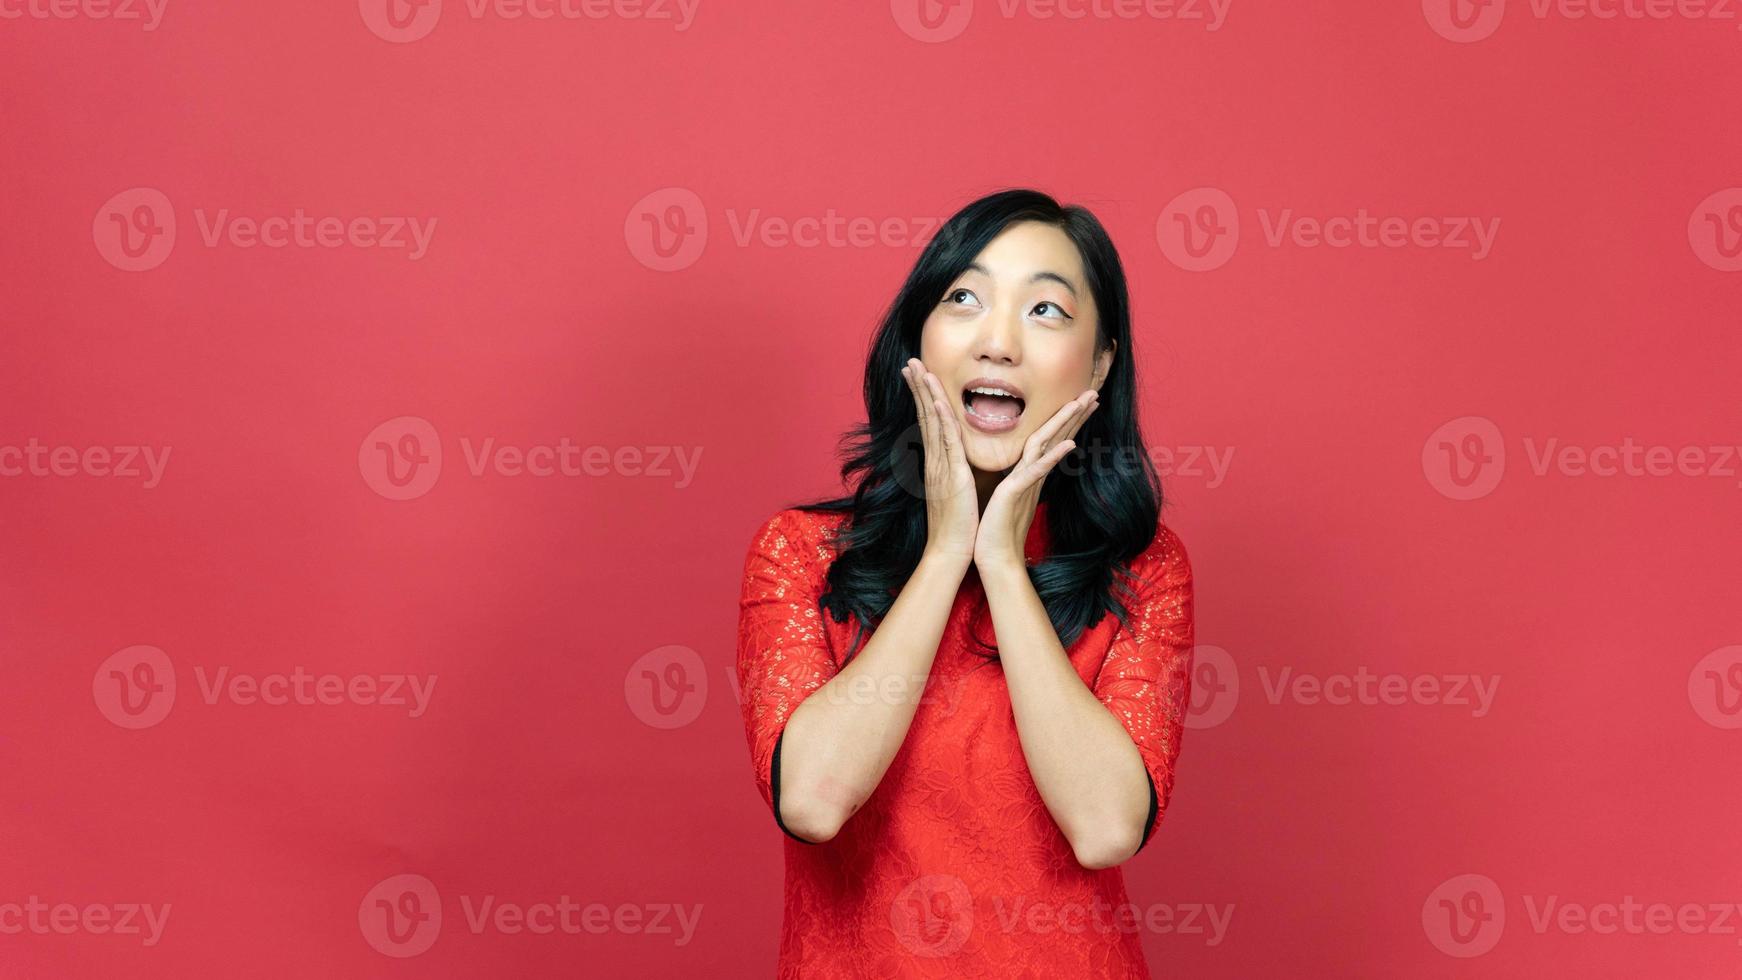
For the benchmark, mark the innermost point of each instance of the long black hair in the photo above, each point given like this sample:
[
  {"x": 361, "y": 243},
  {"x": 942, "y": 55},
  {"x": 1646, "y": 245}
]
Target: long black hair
[{"x": 1103, "y": 499}]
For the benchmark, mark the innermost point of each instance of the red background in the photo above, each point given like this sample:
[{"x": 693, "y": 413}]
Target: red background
[{"x": 1326, "y": 547}]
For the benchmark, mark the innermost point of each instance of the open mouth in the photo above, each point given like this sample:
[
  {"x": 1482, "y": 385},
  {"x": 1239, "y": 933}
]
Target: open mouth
[{"x": 994, "y": 403}]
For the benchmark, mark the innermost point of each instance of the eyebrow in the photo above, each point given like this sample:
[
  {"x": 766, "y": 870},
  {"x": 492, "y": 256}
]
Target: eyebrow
[{"x": 1041, "y": 276}]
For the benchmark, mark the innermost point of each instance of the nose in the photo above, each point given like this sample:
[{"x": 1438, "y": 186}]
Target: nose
[{"x": 1000, "y": 338}]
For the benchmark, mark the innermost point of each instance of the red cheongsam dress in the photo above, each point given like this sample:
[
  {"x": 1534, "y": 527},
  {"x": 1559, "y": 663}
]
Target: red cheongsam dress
[{"x": 954, "y": 867}]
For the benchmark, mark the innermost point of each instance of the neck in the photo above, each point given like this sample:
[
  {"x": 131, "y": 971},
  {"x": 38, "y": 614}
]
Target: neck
[{"x": 986, "y": 482}]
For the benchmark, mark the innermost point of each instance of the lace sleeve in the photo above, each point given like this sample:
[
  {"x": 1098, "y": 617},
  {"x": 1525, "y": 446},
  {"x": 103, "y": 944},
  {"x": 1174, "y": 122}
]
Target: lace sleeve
[
  {"x": 783, "y": 650},
  {"x": 1145, "y": 680}
]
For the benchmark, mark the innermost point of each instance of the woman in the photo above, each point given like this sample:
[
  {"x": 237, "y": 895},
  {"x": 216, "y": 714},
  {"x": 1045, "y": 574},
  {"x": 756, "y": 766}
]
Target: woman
[{"x": 964, "y": 685}]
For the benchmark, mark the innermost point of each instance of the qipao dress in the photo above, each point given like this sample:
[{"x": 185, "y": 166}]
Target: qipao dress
[{"x": 954, "y": 867}]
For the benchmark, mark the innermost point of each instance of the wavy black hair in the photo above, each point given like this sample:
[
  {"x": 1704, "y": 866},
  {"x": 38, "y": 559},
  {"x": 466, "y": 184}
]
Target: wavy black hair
[{"x": 1103, "y": 499}]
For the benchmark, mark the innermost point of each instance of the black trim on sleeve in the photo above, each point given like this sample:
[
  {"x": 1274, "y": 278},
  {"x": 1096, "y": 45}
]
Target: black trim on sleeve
[
  {"x": 1149, "y": 821},
  {"x": 774, "y": 786}
]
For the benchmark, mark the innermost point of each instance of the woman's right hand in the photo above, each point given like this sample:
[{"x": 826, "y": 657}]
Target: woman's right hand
[{"x": 952, "y": 506}]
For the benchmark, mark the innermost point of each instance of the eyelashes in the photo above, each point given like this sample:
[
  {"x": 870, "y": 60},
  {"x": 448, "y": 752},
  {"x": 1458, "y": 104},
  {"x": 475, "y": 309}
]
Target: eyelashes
[{"x": 951, "y": 295}]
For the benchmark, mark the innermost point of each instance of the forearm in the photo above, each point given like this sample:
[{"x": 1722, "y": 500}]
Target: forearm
[
  {"x": 840, "y": 740},
  {"x": 1084, "y": 763}
]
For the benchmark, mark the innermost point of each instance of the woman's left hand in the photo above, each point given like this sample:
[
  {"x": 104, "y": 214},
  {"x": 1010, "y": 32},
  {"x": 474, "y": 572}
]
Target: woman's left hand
[{"x": 1004, "y": 525}]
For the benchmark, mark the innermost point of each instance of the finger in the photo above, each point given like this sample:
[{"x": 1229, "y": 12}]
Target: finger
[
  {"x": 1090, "y": 400},
  {"x": 921, "y": 402},
  {"x": 955, "y": 458},
  {"x": 1047, "y": 435},
  {"x": 1032, "y": 473},
  {"x": 935, "y": 397},
  {"x": 952, "y": 438},
  {"x": 949, "y": 431},
  {"x": 1081, "y": 420},
  {"x": 934, "y": 392},
  {"x": 913, "y": 388},
  {"x": 927, "y": 433}
]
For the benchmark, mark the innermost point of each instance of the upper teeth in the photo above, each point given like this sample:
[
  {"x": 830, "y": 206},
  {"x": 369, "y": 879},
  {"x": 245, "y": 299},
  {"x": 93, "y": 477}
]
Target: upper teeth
[{"x": 990, "y": 391}]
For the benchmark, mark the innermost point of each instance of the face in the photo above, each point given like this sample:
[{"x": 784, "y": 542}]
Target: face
[{"x": 1020, "y": 317}]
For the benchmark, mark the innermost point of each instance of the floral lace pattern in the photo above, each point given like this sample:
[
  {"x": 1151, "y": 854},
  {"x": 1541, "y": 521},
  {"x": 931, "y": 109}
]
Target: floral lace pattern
[{"x": 954, "y": 867}]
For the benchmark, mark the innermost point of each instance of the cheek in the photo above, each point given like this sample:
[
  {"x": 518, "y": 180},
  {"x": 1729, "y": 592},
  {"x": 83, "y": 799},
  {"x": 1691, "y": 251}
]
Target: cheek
[
  {"x": 1067, "y": 376},
  {"x": 936, "y": 346},
  {"x": 1075, "y": 367}
]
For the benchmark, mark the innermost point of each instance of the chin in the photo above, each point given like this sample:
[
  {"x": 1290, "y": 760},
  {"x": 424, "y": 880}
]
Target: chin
[{"x": 995, "y": 454}]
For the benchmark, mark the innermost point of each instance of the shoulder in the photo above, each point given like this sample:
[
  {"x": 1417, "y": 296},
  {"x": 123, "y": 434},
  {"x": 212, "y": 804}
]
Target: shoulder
[
  {"x": 798, "y": 535},
  {"x": 1165, "y": 561}
]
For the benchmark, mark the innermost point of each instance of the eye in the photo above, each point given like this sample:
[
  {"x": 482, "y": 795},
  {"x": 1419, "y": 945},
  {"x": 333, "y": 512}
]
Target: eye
[
  {"x": 952, "y": 294},
  {"x": 1055, "y": 306}
]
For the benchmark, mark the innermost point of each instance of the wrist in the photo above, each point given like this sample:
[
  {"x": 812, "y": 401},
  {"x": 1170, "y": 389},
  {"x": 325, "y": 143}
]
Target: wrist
[
  {"x": 1001, "y": 568},
  {"x": 943, "y": 563}
]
